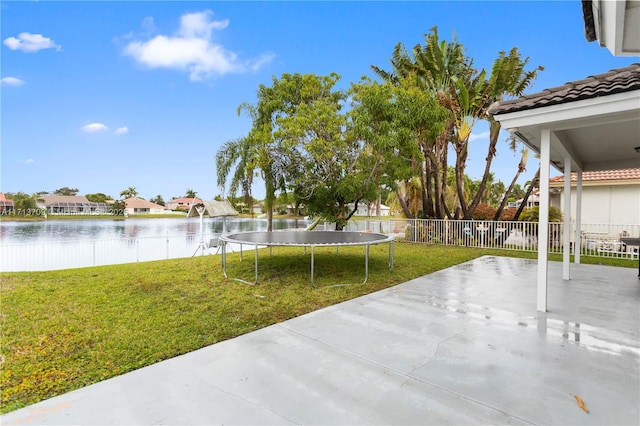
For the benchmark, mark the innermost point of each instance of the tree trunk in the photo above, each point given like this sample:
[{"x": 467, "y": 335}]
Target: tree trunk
[
  {"x": 532, "y": 185},
  {"x": 494, "y": 132},
  {"x": 443, "y": 188},
  {"x": 427, "y": 188},
  {"x": 403, "y": 203},
  {"x": 521, "y": 168},
  {"x": 461, "y": 158},
  {"x": 268, "y": 203}
]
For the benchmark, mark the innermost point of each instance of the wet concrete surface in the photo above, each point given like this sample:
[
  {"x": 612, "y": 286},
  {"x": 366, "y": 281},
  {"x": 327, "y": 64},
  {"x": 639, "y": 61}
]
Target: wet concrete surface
[{"x": 461, "y": 346}]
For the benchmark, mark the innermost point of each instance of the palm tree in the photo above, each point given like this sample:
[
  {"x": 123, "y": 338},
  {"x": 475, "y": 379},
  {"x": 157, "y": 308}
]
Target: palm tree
[
  {"x": 236, "y": 153},
  {"x": 467, "y": 93},
  {"x": 190, "y": 193},
  {"x": 130, "y": 192},
  {"x": 508, "y": 78}
]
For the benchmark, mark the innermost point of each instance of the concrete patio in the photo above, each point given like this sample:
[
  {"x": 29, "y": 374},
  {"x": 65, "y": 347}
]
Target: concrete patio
[{"x": 461, "y": 346}]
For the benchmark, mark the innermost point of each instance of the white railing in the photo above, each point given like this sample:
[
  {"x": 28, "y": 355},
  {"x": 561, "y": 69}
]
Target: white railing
[
  {"x": 44, "y": 256},
  {"x": 596, "y": 240}
]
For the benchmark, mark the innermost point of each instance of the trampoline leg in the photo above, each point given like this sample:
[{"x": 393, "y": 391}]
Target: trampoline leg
[
  {"x": 224, "y": 259},
  {"x": 240, "y": 252},
  {"x": 366, "y": 264},
  {"x": 313, "y": 284},
  {"x": 391, "y": 255},
  {"x": 256, "y": 266}
]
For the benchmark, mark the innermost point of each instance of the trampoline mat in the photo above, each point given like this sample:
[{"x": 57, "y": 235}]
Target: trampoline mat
[{"x": 306, "y": 238}]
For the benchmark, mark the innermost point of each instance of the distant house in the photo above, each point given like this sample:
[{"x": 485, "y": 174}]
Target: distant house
[
  {"x": 6, "y": 205},
  {"x": 608, "y": 197},
  {"x": 291, "y": 210},
  {"x": 71, "y": 205},
  {"x": 182, "y": 203},
  {"x": 369, "y": 209},
  {"x": 532, "y": 201},
  {"x": 135, "y": 205}
]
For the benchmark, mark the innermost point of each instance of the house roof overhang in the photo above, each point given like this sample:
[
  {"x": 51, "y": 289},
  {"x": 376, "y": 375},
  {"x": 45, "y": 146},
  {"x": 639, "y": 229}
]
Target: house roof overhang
[
  {"x": 595, "y": 122},
  {"x": 613, "y": 24}
]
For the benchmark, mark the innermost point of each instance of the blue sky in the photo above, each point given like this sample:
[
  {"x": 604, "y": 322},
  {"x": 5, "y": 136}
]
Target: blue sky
[{"x": 102, "y": 96}]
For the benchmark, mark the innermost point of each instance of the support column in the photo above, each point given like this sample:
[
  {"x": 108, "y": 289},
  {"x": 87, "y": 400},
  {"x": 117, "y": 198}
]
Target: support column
[
  {"x": 543, "y": 220},
  {"x": 566, "y": 229},
  {"x": 577, "y": 248}
]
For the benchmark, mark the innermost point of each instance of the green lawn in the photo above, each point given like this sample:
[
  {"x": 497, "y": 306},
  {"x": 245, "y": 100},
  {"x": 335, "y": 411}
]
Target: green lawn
[{"x": 62, "y": 330}]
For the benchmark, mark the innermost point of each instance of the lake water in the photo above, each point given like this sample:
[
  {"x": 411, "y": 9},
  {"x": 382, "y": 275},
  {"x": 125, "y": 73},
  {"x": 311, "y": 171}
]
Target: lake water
[
  {"x": 104, "y": 229},
  {"x": 62, "y": 244}
]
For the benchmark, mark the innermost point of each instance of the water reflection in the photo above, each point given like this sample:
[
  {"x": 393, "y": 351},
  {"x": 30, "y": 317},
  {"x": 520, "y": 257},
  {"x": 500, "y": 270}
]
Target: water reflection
[
  {"x": 590, "y": 337},
  {"x": 75, "y": 230}
]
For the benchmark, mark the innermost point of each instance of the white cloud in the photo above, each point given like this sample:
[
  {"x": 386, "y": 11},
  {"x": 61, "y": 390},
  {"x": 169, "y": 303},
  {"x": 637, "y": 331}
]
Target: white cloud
[
  {"x": 476, "y": 136},
  {"x": 264, "y": 59},
  {"x": 122, "y": 130},
  {"x": 29, "y": 161},
  {"x": 31, "y": 43},
  {"x": 11, "y": 81},
  {"x": 94, "y": 128},
  {"x": 191, "y": 49}
]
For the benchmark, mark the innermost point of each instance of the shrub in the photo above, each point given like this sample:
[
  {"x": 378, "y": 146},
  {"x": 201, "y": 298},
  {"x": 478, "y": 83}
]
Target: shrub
[{"x": 532, "y": 214}]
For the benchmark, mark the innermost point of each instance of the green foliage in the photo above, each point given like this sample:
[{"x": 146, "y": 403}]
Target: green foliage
[
  {"x": 22, "y": 201},
  {"x": 190, "y": 193},
  {"x": 98, "y": 197},
  {"x": 158, "y": 200},
  {"x": 130, "y": 192},
  {"x": 532, "y": 214},
  {"x": 66, "y": 191},
  {"x": 118, "y": 207}
]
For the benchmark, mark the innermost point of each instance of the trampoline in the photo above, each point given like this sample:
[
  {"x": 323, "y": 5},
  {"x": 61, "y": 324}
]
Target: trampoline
[{"x": 305, "y": 239}]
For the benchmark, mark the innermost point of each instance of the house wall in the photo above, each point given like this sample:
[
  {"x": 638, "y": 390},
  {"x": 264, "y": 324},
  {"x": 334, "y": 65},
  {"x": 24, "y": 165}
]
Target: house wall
[{"x": 606, "y": 204}]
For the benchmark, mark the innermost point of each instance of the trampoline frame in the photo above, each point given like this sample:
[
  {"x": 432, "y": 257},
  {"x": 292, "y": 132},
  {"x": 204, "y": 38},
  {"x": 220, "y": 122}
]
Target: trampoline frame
[{"x": 319, "y": 235}]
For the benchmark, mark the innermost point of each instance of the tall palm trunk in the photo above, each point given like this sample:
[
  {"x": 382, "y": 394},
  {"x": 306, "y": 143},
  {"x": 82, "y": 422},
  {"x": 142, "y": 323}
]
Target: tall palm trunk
[
  {"x": 532, "y": 185},
  {"x": 521, "y": 168},
  {"x": 461, "y": 160},
  {"x": 494, "y": 132}
]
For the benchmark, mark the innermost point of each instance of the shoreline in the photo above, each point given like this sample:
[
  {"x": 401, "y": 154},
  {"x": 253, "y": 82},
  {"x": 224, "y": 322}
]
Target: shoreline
[{"x": 12, "y": 218}]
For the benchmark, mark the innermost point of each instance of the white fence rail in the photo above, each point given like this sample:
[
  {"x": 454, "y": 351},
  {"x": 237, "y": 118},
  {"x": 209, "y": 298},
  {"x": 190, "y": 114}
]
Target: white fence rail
[
  {"x": 596, "y": 240},
  {"x": 602, "y": 240},
  {"x": 43, "y": 256}
]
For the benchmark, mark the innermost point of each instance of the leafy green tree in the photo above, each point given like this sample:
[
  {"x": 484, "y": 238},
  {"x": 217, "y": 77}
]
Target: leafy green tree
[
  {"x": 393, "y": 120},
  {"x": 117, "y": 208},
  {"x": 22, "y": 201},
  {"x": 66, "y": 191},
  {"x": 130, "y": 192},
  {"x": 267, "y": 141},
  {"x": 190, "y": 193},
  {"x": 328, "y": 168},
  {"x": 158, "y": 200},
  {"x": 98, "y": 197}
]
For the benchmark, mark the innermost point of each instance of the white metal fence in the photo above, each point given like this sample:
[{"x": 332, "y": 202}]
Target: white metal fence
[
  {"x": 596, "y": 240},
  {"x": 601, "y": 240},
  {"x": 42, "y": 256}
]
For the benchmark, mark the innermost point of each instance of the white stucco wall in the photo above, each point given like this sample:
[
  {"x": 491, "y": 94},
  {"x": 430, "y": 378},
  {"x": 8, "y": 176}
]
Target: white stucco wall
[{"x": 606, "y": 204}]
